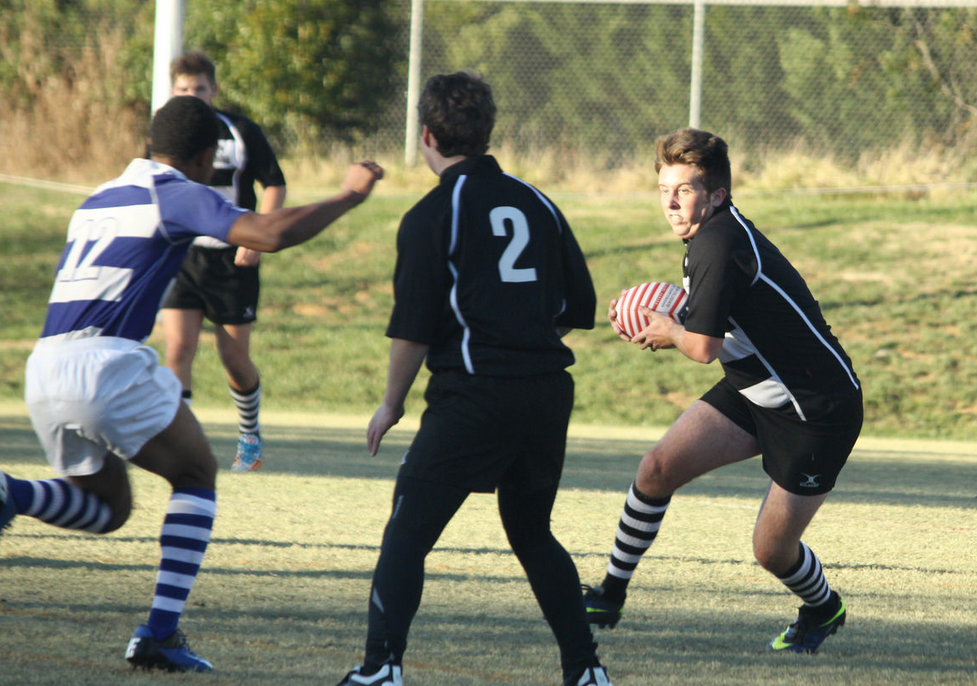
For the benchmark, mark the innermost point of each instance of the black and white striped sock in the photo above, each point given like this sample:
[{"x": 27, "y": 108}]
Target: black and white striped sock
[
  {"x": 636, "y": 532},
  {"x": 806, "y": 579},
  {"x": 248, "y": 403}
]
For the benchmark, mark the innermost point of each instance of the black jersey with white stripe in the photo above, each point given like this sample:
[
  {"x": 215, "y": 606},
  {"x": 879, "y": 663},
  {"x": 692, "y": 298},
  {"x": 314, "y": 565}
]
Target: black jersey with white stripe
[
  {"x": 487, "y": 269},
  {"x": 778, "y": 352},
  {"x": 243, "y": 156}
]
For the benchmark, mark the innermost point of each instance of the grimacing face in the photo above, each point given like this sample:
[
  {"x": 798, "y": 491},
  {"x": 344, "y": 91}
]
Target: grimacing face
[
  {"x": 685, "y": 201},
  {"x": 197, "y": 85}
]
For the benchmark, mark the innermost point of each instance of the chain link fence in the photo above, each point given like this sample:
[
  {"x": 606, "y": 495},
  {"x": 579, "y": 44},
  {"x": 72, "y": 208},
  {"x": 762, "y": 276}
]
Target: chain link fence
[
  {"x": 606, "y": 79},
  {"x": 585, "y": 80}
]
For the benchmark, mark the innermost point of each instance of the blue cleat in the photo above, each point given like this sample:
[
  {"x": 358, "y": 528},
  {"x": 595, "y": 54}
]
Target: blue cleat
[
  {"x": 172, "y": 655},
  {"x": 248, "y": 456},
  {"x": 8, "y": 509},
  {"x": 600, "y": 610},
  {"x": 813, "y": 625}
]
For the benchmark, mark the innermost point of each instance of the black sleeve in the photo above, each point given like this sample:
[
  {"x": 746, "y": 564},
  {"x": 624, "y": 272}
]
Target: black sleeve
[
  {"x": 261, "y": 158},
  {"x": 420, "y": 279},
  {"x": 720, "y": 268},
  {"x": 581, "y": 299}
]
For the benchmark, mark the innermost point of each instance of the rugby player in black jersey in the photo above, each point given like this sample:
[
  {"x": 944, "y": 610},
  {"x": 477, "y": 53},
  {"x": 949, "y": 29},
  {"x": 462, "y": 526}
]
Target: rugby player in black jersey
[
  {"x": 789, "y": 391},
  {"x": 488, "y": 278}
]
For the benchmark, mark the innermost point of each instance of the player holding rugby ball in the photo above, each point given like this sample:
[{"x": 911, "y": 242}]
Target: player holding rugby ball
[{"x": 789, "y": 392}]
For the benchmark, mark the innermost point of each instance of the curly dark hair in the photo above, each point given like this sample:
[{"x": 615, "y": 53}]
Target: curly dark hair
[
  {"x": 183, "y": 128},
  {"x": 459, "y": 110}
]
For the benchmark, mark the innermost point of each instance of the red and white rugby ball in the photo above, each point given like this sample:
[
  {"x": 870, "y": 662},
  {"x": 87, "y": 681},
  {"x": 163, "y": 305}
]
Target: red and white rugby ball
[{"x": 666, "y": 298}]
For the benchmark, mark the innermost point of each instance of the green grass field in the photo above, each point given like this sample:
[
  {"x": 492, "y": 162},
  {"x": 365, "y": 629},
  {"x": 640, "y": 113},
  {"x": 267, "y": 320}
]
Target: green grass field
[
  {"x": 895, "y": 277},
  {"x": 281, "y": 599}
]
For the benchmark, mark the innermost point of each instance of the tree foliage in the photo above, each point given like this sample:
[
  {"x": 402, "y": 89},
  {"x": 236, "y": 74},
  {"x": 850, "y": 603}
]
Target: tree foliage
[{"x": 325, "y": 68}]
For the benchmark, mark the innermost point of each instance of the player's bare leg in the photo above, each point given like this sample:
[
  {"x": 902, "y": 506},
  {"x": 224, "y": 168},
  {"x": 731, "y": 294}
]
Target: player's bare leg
[
  {"x": 778, "y": 548},
  {"x": 181, "y": 332},
  {"x": 180, "y": 454},
  {"x": 701, "y": 440}
]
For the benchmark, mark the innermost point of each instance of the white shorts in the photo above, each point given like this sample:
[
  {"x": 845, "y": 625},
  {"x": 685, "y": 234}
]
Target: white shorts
[{"x": 90, "y": 396}]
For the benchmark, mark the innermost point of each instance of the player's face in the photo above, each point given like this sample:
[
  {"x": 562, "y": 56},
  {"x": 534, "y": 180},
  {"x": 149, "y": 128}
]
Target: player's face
[
  {"x": 197, "y": 85},
  {"x": 685, "y": 201}
]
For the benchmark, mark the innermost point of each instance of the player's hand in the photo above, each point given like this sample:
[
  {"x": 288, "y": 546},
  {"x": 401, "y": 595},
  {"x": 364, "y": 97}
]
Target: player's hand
[
  {"x": 384, "y": 418},
  {"x": 246, "y": 257},
  {"x": 658, "y": 333},
  {"x": 612, "y": 318},
  {"x": 361, "y": 177}
]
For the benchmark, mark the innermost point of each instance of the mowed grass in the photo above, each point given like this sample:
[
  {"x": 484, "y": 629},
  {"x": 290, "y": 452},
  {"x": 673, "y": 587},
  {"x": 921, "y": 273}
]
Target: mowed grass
[
  {"x": 895, "y": 277},
  {"x": 282, "y": 597}
]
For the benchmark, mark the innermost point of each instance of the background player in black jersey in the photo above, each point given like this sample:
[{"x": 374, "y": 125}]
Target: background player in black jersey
[
  {"x": 789, "y": 390},
  {"x": 488, "y": 278},
  {"x": 220, "y": 281}
]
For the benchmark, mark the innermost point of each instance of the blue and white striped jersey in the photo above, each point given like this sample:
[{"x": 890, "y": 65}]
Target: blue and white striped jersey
[{"x": 125, "y": 244}]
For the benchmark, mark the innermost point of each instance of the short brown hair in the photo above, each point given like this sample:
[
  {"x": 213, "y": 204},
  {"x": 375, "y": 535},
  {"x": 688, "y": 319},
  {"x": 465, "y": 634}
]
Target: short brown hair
[
  {"x": 705, "y": 151},
  {"x": 460, "y": 111},
  {"x": 193, "y": 63}
]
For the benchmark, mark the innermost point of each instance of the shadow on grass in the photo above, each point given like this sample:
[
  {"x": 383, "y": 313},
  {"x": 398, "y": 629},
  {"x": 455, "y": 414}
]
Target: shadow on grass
[{"x": 871, "y": 476}]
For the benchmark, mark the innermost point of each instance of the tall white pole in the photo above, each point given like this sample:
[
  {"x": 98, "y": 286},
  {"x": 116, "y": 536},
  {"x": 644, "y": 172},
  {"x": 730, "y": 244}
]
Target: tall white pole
[
  {"x": 695, "y": 85},
  {"x": 413, "y": 81},
  {"x": 167, "y": 44}
]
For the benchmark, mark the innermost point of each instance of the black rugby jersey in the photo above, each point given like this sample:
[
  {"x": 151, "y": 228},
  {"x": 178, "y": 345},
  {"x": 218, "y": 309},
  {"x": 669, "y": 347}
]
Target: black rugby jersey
[
  {"x": 778, "y": 352},
  {"x": 487, "y": 269},
  {"x": 243, "y": 157}
]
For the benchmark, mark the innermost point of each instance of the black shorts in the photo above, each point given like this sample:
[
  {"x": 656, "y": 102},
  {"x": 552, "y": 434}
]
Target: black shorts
[
  {"x": 802, "y": 457},
  {"x": 210, "y": 281},
  {"x": 483, "y": 432}
]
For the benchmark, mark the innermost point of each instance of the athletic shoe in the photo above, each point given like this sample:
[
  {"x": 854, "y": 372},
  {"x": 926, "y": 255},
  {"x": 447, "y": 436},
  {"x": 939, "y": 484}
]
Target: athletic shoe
[
  {"x": 600, "y": 610},
  {"x": 813, "y": 625},
  {"x": 592, "y": 676},
  {"x": 248, "y": 456},
  {"x": 8, "y": 509},
  {"x": 389, "y": 674},
  {"x": 173, "y": 654}
]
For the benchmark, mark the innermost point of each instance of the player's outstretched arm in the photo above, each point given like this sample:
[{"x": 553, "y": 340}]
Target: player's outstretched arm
[{"x": 294, "y": 225}]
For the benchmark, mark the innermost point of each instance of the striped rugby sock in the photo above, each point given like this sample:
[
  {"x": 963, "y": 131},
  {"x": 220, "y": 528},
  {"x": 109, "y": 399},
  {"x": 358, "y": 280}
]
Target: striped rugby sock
[
  {"x": 186, "y": 532},
  {"x": 806, "y": 578},
  {"x": 636, "y": 531},
  {"x": 248, "y": 403},
  {"x": 60, "y": 503}
]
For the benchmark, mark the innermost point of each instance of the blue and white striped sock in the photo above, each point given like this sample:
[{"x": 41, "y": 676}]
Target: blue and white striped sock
[
  {"x": 60, "y": 503},
  {"x": 186, "y": 532}
]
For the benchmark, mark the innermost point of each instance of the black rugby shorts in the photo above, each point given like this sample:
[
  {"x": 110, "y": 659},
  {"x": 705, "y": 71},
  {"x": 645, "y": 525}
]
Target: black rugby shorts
[
  {"x": 210, "y": 281},
  {"x": 802, "y": 457}
]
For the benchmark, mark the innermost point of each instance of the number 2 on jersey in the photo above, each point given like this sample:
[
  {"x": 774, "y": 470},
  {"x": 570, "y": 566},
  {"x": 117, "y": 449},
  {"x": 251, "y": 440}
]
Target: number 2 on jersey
[{"x": 508, "y": 272}]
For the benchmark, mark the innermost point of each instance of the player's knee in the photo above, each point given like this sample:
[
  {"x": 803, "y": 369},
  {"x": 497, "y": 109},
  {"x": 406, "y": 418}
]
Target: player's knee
[
  {"x": 774, "y": 558},
  {"x": 196, "y": 471},
  {"x": 654, "y": 478}
]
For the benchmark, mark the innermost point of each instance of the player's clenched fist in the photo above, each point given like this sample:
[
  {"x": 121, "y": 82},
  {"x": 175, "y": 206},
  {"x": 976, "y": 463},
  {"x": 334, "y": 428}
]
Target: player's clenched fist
[{"x": 361, "y": 176}]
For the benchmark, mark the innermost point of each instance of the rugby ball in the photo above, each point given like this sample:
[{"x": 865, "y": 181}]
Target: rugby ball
[{"x": 666, "y": 298}]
